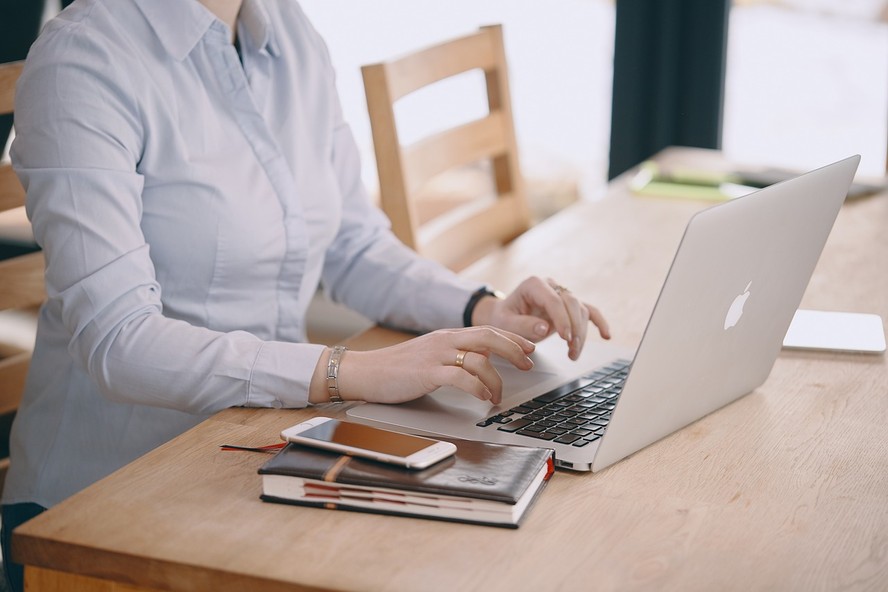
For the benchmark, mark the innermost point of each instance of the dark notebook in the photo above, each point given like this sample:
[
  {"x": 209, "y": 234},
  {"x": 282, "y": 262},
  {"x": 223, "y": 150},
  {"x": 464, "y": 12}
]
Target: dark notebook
[{"x": 482, "y": 483}]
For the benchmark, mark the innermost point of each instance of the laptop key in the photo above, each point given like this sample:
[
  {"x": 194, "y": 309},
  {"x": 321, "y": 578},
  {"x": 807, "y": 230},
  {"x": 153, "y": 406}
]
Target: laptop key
[
  {"x": 538, "y": 435},
  {"x": 561, "y": 391},
  {"x": 514, "y": 425},
  {"x": 615, "y": 367},
  {"x": 593, "y": 376},
  {"x": 534, "y": 403},
  {"x": 567, "y": 439}
]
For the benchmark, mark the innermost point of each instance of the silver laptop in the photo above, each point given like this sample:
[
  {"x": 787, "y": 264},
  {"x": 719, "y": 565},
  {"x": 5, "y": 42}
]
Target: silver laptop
[{"x": 718, "y": 325}]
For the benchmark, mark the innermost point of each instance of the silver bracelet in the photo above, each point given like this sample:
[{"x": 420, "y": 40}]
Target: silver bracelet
[{"x": 333, "y": 373}]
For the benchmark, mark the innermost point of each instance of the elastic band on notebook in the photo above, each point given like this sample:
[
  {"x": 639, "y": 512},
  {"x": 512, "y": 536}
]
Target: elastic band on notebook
[{"x": 333, "y": 472}]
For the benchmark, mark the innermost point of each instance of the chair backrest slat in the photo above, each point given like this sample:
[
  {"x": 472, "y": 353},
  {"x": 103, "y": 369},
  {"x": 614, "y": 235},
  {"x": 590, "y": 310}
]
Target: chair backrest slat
[{"x": 405, "y": 171}]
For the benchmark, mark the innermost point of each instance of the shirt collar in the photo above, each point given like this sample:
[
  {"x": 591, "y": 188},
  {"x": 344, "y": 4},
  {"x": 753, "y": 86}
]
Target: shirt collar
[{"x": 181, "y": 24}]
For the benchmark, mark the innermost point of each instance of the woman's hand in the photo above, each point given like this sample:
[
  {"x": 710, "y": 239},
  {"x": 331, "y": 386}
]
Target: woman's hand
[
  {"x": 537, "y": 308},
  {"x": 449, "y": 357}
]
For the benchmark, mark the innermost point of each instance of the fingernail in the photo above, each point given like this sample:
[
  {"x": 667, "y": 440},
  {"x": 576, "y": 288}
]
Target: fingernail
[
  {"x": 541, "y": 329},
  {"x": 528, "y": 362},
  {"x": 569, "y": 336}
]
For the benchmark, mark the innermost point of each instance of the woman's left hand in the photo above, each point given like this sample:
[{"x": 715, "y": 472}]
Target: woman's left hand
[{"x": 537, "y": 308}]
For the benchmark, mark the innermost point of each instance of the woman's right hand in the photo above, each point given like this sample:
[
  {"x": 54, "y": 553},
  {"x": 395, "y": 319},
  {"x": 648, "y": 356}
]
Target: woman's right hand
[{"x": 416, "y": 367}]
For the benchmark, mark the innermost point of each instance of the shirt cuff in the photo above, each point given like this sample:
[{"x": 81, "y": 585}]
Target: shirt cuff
[{"x": 282, "y": 373}]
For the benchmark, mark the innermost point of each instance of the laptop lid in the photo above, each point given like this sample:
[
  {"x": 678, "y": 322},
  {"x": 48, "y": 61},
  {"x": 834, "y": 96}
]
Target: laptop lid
[
  {"x": 757, "y": 251},
  {"x": 736, "y": 281}
]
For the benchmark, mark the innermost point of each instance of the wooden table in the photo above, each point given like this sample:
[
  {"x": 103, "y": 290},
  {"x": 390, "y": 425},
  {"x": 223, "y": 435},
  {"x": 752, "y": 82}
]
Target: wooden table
[{"x": 785, "y": 489}]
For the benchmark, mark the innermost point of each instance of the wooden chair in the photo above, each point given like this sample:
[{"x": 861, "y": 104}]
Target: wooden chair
[
  {"x": 454, "y": 237},
  {"x": 21, "y": 284}
]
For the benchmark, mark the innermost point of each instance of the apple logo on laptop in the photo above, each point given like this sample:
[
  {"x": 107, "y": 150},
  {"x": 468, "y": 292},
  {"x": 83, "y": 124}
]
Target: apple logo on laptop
[{"x": 736, "y": 310}]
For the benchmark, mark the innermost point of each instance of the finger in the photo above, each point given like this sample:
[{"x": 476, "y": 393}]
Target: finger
[
  {"x": 524, "y": 343},
  {"x": 555, "y": 308},
  {"x": 479, "y": 366},
  {"x": 579, "y": 317},
  {"x": 599, "y": 321},
  {"x": 465, "y": 381},
  {"x": 531, "y": 327},
  {"x": 487, "y": 340}
]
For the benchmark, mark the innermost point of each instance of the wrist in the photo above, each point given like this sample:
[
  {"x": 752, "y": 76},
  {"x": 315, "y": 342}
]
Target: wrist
[
  {"x": 333, "y": 373},
  {"x": 317, "y": 389},
  {"x": 325, "y": 386},
  {"x": 480, "y": 306}
]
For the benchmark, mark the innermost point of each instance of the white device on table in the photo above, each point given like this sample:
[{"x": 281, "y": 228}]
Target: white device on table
[
  {"x": 836, "y": 331},
  {"x": 355, "y": 439}
]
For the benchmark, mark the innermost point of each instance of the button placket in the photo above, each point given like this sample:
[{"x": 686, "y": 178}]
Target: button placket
[{"x": 237, "y": 92}]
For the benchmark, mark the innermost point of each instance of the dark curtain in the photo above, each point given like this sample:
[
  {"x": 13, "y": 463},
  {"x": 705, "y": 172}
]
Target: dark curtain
[{"x": 669, "y": 77}]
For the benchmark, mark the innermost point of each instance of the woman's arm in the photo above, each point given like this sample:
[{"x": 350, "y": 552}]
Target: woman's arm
[{"x": 80, "y": 136}]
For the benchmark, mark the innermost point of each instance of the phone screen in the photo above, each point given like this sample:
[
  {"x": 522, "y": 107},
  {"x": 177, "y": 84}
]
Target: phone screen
[{"x": 369, "y": 438}]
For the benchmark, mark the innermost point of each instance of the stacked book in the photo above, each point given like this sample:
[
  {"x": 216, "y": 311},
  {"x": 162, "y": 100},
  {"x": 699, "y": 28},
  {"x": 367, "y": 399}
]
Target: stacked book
[{"x": 482, "y": 483}]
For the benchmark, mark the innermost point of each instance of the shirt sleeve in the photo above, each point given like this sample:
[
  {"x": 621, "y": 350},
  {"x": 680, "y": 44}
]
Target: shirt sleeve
[{"x": 79, "y": 138}]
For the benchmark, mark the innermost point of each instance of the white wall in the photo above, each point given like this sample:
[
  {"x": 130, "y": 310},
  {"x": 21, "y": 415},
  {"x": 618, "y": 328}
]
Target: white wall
[{"x": 806, "y": 86}]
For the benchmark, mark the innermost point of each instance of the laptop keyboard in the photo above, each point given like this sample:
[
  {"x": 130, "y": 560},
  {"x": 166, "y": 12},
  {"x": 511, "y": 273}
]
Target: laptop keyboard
[{"x": 575, "y": 413}]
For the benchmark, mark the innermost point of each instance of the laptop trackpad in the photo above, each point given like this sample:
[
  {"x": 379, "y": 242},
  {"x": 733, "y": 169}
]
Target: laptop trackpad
[{"x": 516, "y": 384}]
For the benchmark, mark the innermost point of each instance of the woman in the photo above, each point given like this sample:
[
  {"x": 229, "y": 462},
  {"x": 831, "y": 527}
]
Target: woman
[{"x": 191, "y": 181}]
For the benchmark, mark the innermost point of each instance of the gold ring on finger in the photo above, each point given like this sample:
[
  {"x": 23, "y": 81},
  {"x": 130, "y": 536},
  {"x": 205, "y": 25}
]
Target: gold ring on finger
[{"x": 460, "y": 358}]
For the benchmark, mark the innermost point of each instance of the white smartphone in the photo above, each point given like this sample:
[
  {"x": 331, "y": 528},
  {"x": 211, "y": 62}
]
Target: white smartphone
[{"x": 356, "y": 439}]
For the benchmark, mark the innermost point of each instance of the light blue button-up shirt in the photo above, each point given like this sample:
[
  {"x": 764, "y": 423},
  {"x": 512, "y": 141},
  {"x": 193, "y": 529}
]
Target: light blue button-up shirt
[{"x": 188, "y": 205}]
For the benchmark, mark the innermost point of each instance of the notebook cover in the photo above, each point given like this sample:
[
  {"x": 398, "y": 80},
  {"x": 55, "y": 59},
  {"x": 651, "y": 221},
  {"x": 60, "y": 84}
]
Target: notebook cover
[{"x": 478, "y": 470}]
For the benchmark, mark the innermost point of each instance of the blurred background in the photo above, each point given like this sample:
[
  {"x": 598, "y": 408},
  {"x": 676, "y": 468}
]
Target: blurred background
[
  {"x": 806, "y": 81},
  {"x": 597, "y": 86}
]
